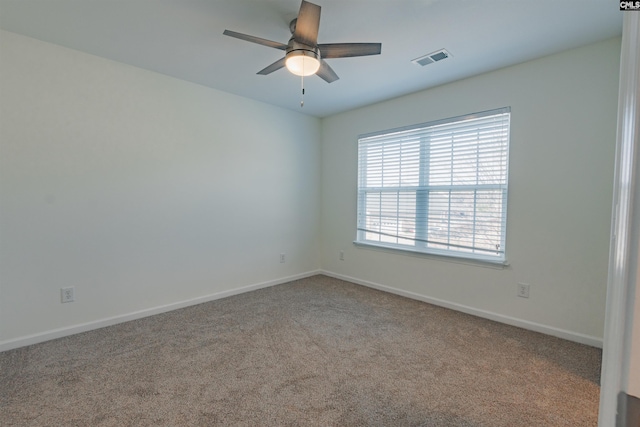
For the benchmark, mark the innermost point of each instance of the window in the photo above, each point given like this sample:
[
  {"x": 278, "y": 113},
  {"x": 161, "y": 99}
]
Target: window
[{"x": 437, "y": 188}]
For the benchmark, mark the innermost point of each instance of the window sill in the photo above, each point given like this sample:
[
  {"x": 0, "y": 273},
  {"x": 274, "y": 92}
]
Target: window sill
[{"x": 479, "y": 262}]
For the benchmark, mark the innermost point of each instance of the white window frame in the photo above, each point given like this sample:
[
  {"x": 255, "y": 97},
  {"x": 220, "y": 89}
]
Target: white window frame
[{"x": 415, "y": 192}]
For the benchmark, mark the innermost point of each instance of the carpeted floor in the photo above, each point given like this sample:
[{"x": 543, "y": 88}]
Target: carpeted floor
[{"x": 317, "y": 351}]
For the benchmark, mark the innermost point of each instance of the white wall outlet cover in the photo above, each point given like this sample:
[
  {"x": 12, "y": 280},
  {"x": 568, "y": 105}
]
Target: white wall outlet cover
[
  {"x": 523, "y": 290},
  {"x": 67, "y": 294}
]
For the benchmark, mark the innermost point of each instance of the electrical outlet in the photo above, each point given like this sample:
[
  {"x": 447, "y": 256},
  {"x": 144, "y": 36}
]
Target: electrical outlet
[
  {"x": 67, "y": 294},
  {"x": 341, "y": 255},
  {"x": 282, "y": 258},
  {"x": 523, "y": 290}
]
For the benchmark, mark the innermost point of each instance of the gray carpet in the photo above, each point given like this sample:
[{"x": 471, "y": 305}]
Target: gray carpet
[{"x": 317, "y": 351}]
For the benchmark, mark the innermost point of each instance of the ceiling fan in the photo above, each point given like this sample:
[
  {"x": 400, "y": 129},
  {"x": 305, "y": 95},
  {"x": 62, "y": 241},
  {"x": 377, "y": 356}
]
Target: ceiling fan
[{"x": 304, "y": 56}]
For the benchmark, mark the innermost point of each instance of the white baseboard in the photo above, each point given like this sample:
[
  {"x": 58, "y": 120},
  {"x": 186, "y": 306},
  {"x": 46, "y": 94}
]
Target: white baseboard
[
  {"x": 524, "y": 324},
  {"x": 84, "y": 327}
]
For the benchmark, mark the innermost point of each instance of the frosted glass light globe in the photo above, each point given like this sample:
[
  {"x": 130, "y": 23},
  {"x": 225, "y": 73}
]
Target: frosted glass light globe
[{"x": 302, "y": 62}]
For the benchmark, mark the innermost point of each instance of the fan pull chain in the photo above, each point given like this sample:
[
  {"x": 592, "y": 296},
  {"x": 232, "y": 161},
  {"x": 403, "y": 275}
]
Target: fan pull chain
[{"x": 302, "y": 86}]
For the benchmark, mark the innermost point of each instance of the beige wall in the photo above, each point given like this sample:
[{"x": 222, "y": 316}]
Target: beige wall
[
  {"x": 141, "y": 190},
  {"x": 563, "y": 130}
]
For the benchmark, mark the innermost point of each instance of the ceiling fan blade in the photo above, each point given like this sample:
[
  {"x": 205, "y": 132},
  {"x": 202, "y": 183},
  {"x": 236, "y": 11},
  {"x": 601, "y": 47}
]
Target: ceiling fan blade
[
  {"x": 307, "y": 24},
  {"x": 326, "y": 73},
  {"x": 254, "y": 39},
  {"x": 345, "y": 50},
  {"x": 273, "y": 67}
]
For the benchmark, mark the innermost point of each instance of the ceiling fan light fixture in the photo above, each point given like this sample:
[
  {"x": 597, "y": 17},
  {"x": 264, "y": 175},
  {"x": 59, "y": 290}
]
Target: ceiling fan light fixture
[{"x": 302, "y": 62}]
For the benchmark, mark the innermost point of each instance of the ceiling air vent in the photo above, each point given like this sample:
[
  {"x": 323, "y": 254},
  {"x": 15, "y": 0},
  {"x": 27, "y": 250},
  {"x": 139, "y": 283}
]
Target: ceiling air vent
[{"x": 432, "y": 57}]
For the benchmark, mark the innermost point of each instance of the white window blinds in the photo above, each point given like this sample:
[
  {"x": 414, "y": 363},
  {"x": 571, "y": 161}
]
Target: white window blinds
[{"x": 438, "y": 187}]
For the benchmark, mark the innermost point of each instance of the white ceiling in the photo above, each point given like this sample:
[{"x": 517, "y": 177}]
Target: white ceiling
[{"x": 183, "y": 39}]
